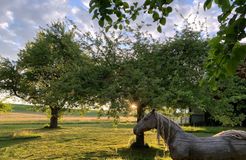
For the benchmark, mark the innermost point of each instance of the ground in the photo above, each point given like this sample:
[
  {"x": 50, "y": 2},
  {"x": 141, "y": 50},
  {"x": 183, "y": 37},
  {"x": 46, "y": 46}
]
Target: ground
[{"x": 78, "y": 138}]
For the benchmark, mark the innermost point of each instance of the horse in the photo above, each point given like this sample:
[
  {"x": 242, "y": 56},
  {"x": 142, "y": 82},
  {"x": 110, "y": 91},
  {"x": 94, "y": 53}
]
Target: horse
[{"x": 227, "y": 145}]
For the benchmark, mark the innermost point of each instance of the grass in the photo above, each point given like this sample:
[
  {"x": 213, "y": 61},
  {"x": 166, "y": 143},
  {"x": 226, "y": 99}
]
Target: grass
[
  {"x": 88, "y": 140},
  {"x": 80, "y": 140},
  {"x": 93, "y": 139}
]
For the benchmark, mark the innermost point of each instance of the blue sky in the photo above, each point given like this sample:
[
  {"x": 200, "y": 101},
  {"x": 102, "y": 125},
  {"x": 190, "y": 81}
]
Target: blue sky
[{"x": 20, "y": 19}]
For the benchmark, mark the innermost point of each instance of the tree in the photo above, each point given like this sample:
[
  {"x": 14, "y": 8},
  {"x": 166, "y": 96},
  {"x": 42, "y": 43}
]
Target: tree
[
  {"x": 226, "y": 52},
  {"x": 121, "y": 77},
  {"x": 133, "y": 68},
  {"x": 227, "y": 103},
  {"x": 41, "y": 73}
]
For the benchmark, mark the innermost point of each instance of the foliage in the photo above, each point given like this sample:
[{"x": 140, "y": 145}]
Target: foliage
[
  {"x": 123, "y": 12},
  {"x": 228, "y": 102},
  {"x": 4, "y": 107},
  {"x": 140, "y": 70},
  {"x": 226, "y": 52},
  {"x": 181, "y": 67},
  {"x": 41, "y": 74}
]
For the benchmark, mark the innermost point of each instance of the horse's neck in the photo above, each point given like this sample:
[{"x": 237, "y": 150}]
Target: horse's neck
[{"x": 170, "y": 129}]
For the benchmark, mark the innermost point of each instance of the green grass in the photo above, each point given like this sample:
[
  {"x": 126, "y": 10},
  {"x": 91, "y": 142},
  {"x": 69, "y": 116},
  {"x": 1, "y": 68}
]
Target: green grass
[
  {"x": 22, "y": 108},
  {"x": 94, "y": 140},
  {"x": 80, "y": 140},
  {"x": 85, "y": 140}
]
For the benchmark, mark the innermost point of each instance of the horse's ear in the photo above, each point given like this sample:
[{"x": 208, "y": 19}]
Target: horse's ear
[{"x": 153, "y": 110}]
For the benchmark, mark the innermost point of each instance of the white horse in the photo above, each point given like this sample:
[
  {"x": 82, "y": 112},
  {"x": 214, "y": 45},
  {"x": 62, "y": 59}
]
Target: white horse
[{"x": 227, "y": 145}]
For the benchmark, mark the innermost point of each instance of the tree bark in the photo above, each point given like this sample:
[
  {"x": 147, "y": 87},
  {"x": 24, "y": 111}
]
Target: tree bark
[
  {"x": 54, "y": 117},
  {"x": 140, "y": 115}
]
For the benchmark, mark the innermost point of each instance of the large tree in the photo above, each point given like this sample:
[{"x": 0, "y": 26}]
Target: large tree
[
  {"x": 136, "y": 69},
  {"x": 41, "y": 74}
]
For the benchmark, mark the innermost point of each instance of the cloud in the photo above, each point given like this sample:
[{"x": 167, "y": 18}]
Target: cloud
[
  {"x": 4, "y": 25},
  {"x": 20, "y": 20}
]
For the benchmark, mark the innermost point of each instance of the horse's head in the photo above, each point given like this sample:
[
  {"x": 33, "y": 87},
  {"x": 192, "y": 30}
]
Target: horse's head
[{"x": 147, "y": 123}]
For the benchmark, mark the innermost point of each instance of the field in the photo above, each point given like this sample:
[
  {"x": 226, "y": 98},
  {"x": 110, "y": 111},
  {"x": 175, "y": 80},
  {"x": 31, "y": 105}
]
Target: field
[{"x": 22, "y": 137}]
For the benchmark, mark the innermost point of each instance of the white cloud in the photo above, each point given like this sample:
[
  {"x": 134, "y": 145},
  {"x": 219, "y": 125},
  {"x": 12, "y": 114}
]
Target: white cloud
[
  {"x": 9, "y": 14},
  {"x": 4, "y": 25},
  {"x": 75, "y": 10}
]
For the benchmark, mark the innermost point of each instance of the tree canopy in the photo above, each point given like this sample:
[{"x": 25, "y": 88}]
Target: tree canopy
[
  {"x": 226, "y": 53},
  {"x": 41, "y": 73}
]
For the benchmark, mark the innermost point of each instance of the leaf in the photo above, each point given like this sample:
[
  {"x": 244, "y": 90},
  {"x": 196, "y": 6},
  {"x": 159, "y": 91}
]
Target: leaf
[
  {"x": 107, "y": 28},
  {"x": 238, "y": 54},
  {"x": 147, "y": 2},
  {"x": 120, "y": 27},
  {"x": 127, "y": 21},
  {"x": 155, "y": 16},
  {"x": 224, "y": 5},
  {"x": 134, "y": 16},
  {"x": 159, "y": 29},
  {"x": 109, "y": 19},
  {"x": 126, "y": 5},
  {"x": 169, "y": 9},
  {"x": 101, "y": 22},
  {"x": 163, "y": 21},
  {"x": 92, "y": 8},
  {"x": 207, "y": 4}
]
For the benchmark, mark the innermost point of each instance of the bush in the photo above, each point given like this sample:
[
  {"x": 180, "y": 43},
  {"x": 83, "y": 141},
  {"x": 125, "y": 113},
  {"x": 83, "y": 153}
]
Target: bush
[{"x": 4, "y": 107}]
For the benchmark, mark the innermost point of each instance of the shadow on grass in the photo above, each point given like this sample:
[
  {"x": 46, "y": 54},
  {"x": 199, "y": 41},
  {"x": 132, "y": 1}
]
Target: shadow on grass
[
  {"x": 127, "y": 153},
  {"x": 6, "y": 141}
]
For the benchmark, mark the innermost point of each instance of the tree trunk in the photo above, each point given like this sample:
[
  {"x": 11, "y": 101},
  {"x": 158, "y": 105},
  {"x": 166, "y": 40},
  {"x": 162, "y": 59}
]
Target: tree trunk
[
  {"x": 54, "y": 117},
  {"x": 140, "y": 115}
]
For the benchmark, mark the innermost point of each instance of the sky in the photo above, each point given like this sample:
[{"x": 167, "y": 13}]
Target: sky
[{"x": 20, "y": 20}]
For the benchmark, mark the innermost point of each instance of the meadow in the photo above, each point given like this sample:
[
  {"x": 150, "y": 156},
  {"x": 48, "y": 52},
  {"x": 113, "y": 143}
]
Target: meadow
[{"x": 78, "y": 138}]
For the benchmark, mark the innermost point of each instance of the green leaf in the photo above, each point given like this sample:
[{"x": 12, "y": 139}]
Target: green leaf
[
  {"x": 147, "y": 2},
  {"x": 169, "y": 9},
  {"x": 163, "y": 21},
  {"x": 92, "y": 8},
  {"x": 109, "y": 19},
  {"x": 155, "y": 16},
  {"x": 126, "y": 5},
  {"x": 134, "y": 16},
  {"x": 159, "y": 29},
  {"x": 127, "y": 21},
  {"x": 115, "y": 26},
  {"x": 238, "y": 54},
  {"x": 120, "y": 27},
  {"x": 224, "y": 5},
  {"x": 101, "y": 22},
  {"x": 107, "y": 28},
  {"x": 207, "y": 4}
]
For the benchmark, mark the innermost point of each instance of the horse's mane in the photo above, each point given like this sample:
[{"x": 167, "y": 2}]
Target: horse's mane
[
  {"x": 233, "y": 133},
  {"x": 160, "y": 126}
]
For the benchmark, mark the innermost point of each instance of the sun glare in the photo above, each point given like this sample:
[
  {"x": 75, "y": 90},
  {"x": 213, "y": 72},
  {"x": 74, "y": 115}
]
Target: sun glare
[{"x": 133, "y": 106}]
